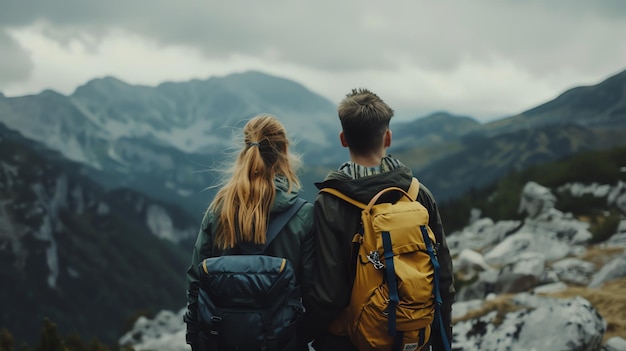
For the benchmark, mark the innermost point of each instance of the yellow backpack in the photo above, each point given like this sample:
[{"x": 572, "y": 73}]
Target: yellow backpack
[{"x": 394, "y": 294}]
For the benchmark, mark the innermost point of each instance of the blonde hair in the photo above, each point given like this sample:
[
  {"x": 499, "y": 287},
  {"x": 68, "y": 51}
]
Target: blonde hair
[{"x": 244, "y": 202}]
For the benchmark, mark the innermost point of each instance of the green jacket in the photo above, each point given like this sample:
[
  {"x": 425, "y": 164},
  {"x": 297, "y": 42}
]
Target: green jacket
[
  {"x": 336, "y": 223},
  {"x": 295, "y": 242}
]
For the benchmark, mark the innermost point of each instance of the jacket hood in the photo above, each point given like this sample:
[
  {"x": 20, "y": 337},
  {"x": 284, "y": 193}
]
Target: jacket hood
[
  {"x": 284, "y": 199},
  {"x": 364, "y": 188}
]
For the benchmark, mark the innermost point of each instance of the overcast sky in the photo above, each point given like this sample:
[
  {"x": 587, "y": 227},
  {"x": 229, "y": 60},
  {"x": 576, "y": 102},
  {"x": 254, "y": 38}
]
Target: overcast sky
[{"x": 485, "y": 59}]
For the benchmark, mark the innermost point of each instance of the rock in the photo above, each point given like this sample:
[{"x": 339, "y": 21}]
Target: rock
[
  {"x": 469, "y": 263},
  {"x": 536, "y": 199},
  {"x": 541, "y": 323},
  {"x": 617, "y": 197},
  {"x": 514, "y": 245},
  {"x": 619, "y": 238},
  {"x": 461, "y": 309},
  {"x": 532, "y": 263},
  {"x": 480, "y": 234},
  {"x": 579, "y": 189},
  {"x": 509, "y": 283},
  {"x": 615, "y": 344},
  {"x": 573, "y": 270},
  {"x": 614, "y": 269},
  {"x": 538, "y": 202},
  {"x": 166, "y": 331},
  {"x": 479, "y": 289},
  {"x": 550, "y": 288}
]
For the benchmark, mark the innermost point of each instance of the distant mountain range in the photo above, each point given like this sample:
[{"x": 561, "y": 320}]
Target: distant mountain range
[
  {"x": 455, "y": 154},
  {"x": 114, "y": 178},
  {"x": 164, "y": 141}
]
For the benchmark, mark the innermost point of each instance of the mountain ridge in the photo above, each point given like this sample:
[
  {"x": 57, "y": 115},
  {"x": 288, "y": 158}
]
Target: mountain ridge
[
  {"x": 200, "y": 119},
  {"x": 575, "y": 104}
]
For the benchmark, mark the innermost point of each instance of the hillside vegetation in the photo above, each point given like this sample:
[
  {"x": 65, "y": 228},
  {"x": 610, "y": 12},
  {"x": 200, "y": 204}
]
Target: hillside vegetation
[
  {"x": 77, "y": 254},
  {"x": 501, "y": 199}
]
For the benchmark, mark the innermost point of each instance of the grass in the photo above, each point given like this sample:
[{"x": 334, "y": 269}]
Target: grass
[{"x": 600, "y": 256}]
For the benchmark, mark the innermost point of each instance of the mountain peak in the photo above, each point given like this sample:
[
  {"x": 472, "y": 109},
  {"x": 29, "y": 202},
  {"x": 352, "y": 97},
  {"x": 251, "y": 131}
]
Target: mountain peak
[
  {"x": 592, "y": 100},
  {"x": 104, "y": 84},
  {"x": 256, "y": 80},
  {"x": 442, "y": 116}
]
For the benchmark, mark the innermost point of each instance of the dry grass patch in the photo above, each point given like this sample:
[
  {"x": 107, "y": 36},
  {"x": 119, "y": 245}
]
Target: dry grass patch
[
  {"x": 599, "y": 256},
  {"x": 502, "y": 304},
  {"x": 609, "y": 300}
]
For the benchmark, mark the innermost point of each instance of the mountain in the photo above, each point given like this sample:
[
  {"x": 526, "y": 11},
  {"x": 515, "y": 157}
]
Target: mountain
[
  {"x": 87, "y": 258},
  {"x": 581, "y": 119},
  {"x": 601, "y": 106},
  {"x": 167, "y": 141},
  {"x": 435, "y": 128},
  {"x": 200, "y": 115}
]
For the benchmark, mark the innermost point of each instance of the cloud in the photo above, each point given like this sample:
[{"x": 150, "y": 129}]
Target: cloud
[
  {"x": 15, "y": 62},
  {"x": 427, "y": 54},
  {"x": 350, "y": 35}
]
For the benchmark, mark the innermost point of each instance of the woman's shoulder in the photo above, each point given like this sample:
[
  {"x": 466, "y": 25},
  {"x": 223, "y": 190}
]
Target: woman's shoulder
[
  {"x": 305, "y": 214},
  {"x": 207, "y": 219}
]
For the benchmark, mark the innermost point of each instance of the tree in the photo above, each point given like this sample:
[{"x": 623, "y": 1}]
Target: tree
[
  {"x": 6, "y": 341},
  {"x": 49, "y": 339}
]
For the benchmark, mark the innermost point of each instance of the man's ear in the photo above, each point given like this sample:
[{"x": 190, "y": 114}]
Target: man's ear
[
  {"x": 342, "y": 137},
  {"x": 388, "y": 138}
]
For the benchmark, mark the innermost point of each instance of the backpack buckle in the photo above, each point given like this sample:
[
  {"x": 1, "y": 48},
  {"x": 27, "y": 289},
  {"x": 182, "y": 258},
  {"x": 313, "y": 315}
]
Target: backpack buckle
[{"x": 374, "y": 258}]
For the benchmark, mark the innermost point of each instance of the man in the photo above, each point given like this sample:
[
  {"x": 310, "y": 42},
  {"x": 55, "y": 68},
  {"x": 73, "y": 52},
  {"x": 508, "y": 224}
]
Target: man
[{"x": 365, "y": 132}]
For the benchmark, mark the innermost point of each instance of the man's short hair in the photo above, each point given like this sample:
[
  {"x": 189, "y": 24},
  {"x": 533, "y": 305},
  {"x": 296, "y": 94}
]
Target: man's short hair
[{"x": 364, "y": 118}]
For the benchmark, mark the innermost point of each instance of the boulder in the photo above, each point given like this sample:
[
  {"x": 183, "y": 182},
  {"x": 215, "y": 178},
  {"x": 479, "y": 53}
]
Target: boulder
[
  {"x": 509, "y": 283},
  {"x": 469, "y": 263},
  {"x": 511, "y": 247},
  {"x": 166, "y": 331},
  {"x": 617, "y": 196},
  {"x": 540, "y": 323},
  {"x": 481, "y": 233},
  {"x": 614, "y": 269},
  {"x": 531, "y": 263},
  {"x": 615, "y": 344},
  {"x": 574, "y": 270}
]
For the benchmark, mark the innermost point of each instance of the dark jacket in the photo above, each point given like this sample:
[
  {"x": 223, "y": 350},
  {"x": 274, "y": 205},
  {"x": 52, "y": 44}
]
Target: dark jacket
[
  {"x": 336, "y": 223},
  {"x": 295, "y": 242}
]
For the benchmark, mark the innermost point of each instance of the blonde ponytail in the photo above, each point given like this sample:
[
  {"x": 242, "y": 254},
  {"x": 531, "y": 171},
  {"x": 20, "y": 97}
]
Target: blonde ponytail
[{"x": 244, "y": 202}]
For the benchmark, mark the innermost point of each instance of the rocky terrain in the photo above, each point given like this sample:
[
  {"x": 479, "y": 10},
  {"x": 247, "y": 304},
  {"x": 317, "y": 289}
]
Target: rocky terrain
[{"x": 534, "y": 284}]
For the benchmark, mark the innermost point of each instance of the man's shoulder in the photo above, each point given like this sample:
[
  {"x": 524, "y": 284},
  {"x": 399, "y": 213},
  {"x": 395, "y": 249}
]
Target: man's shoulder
[
  {"x": 426, "y": 192},
  {"x": 332, "y": 178}
]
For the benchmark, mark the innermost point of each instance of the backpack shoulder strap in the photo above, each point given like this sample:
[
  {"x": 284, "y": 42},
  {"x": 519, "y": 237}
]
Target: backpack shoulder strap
[
  {"x": 412, "y": 192},
  {"x": 277, "y": 223},
  {"x": 414, "y": 189},
  {"x": 344, "y": 197}
]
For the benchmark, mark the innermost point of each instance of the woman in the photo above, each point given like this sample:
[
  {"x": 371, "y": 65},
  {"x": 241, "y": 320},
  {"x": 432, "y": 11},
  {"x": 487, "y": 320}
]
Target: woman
[{"x": 262, "y": 183}]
